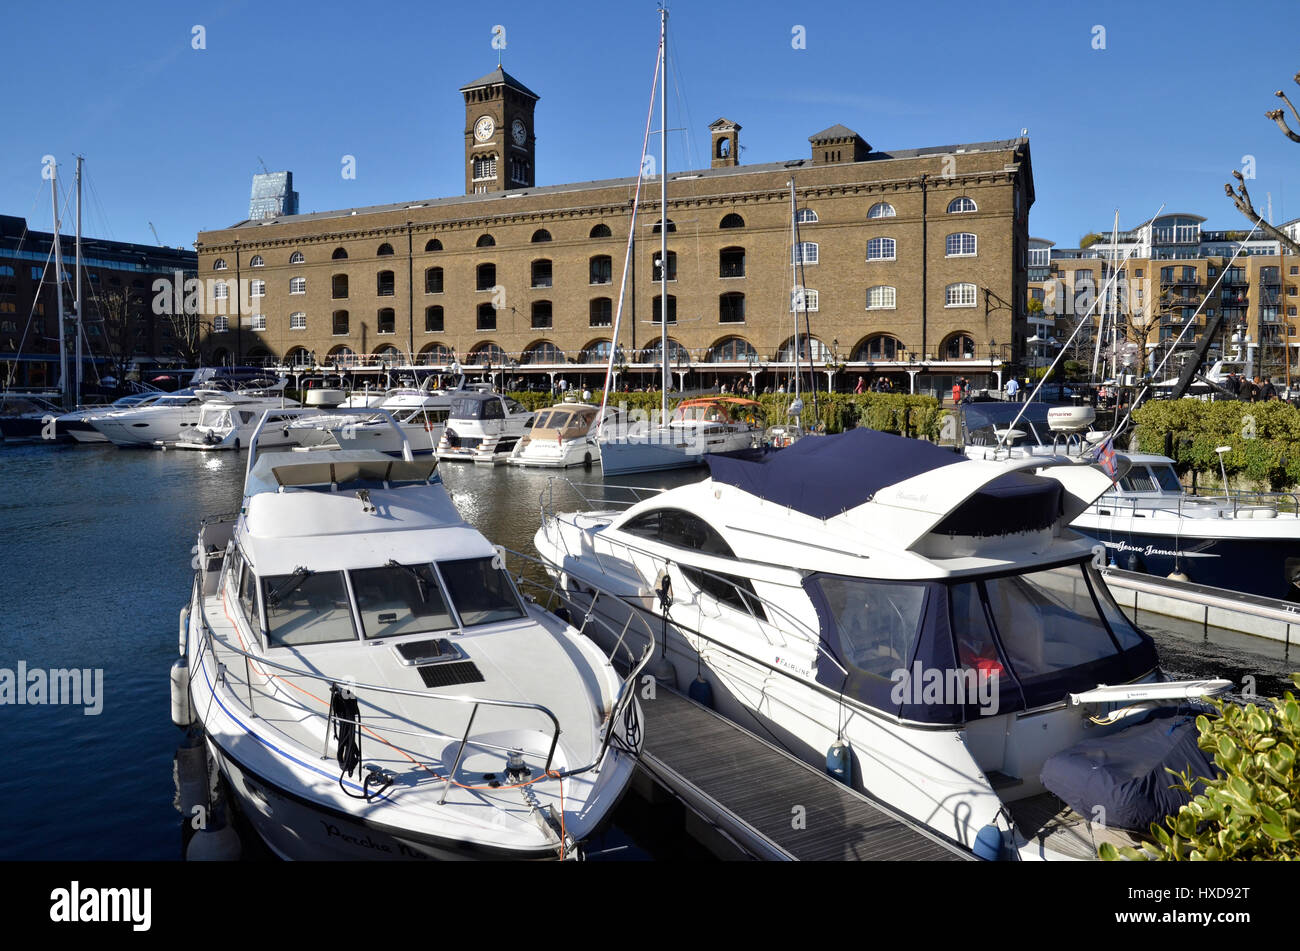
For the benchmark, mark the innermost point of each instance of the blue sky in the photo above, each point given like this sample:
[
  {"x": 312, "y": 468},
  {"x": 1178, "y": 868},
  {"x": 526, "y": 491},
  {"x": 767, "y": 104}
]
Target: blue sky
[{"x": 173, "y": 135}]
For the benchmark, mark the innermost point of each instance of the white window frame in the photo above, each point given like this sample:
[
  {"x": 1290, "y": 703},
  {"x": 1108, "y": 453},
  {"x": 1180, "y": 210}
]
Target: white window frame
[
  {"x": 881, "y": 209},
  {"x": 221, "y": 291},
  {"x": 220, "y": 323},
  {"x": 806, "y": 216},
  {"x": 962, "y": 244},
  {"x": 298, "y": 320},
  {"x": 297, "y": 285},
  {"x": 257, "y": 289},
  {"x": 257, "y": 322},
  {"x": 889, "y": 295},
  {"x": 893, "y": 249},
  {"x": 807, "y": 252},
  {"x": 220, "y": 264},
  {"x": 960, "y": 289},
  {"x": 297, "y": 258},
  {"x": 810, "y": 300},
  {"x": 963, "y": 210},
  {"x": 256, "y": 261}
]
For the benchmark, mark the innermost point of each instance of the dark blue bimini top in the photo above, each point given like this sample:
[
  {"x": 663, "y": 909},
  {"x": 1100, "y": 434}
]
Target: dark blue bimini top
[{"x": 823, "y": 476}]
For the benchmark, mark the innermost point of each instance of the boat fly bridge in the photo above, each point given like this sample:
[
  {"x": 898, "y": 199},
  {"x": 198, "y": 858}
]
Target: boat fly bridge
[{"x": 374, "y": 682}]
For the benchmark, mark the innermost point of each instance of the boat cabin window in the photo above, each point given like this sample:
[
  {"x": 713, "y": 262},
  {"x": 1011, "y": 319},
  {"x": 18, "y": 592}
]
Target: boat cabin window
[
  {"x": 1168, "y": 478},
  {"x": 492, "y": 409},
  {"x": 680, "y": 529},
  {"x": 1138, "y": 479},
  {"x": 400, "y": 599},
  {"x": 307, "y": 608},
  {"x": 877, "y": 621},
  {"x": 514, "y": 407},
  {"x": 480, "y": 593},
  {"x": 1047, "y": 620},
  {"x": 248, "y": 597},
  {"x": 1123, "y": 629}
]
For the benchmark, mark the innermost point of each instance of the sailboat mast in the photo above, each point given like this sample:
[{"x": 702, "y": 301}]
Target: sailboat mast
[
  {"x": 1114, "y": 303},
  {"x": 76, "y": 373},
  {"x": 795, "y": 291},
  {"x": 58, "y": 287},
  {"x": 663, "y": 208}
]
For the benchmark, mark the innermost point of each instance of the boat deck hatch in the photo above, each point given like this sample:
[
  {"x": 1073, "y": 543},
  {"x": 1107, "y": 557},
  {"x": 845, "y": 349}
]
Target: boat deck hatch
[
  {"x": 433, "y": 651},
  {"x": 450, "y": 675}
]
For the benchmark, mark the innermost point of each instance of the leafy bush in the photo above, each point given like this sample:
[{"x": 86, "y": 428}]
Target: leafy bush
[
  {"x": 1253, "y": 811},
  {"x": 1264, "y": 437}
]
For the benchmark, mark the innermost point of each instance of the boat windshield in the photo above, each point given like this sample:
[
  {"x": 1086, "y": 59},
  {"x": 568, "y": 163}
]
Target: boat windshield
[
  {"x": 1168, "y": 478},
  {"x": 307, "y": 608},
  {"x": 469, "y": 408},
  {"x": 400, "y": 599},
  {"x": 481, "y": 593}
]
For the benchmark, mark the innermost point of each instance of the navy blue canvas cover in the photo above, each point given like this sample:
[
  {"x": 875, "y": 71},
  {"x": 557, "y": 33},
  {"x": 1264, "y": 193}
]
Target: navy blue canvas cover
[
  {"x": 1124, "y": 772},
  {"x": 823, "y": 476}
]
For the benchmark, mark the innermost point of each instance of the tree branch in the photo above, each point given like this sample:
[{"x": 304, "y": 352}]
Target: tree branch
[
  {"x": 1241, "y": 198},
  {"x": 1278, "y": 116}
]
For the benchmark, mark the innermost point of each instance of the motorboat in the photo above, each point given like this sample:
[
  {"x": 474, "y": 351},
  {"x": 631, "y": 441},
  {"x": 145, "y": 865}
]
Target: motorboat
[
  {"x": 925, "y": 626},
  {"x": 419, "y": 411},
  {"x": 373, "y": 683},
  {"x": 1147, "y": 520},
  {"x": 483, "y": 427},
  {"x": 27, "y": 417},
  {"x": 562, "y": 436},
  {"x": 697, "y": 427},
  {"x": 77, "y": 423},
  {"x": 162, "y": 422},
  {"x": 228, "y": 422}
]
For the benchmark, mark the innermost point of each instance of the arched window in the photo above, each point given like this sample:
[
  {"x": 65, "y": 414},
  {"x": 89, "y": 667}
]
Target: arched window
[
  {"x": 601, "y": 269},
  {"x": 384, "y": 249},
  {"x": 433, "y": 320},
  {"x": 959, "y": 205},
  {"x": 385, "y": 284},
  {"x": 732, "y": 220},
  {"x": 881, "y": 249},
  {"x": 658, "y": 308},
  {"x": 960, "y": 245},
  {"x": 732, "y": 350},
  {"x": 297, "y": 258},
  {"x": 256, "y": 261},
  {"x": 436, "y": 354},
  {"x": 881, "y": 209},
  {"x": 960, "y": 295},
  {"x": 487, "y": 317},
  {"x": 387, "y": 321},
  {"x": 600, "y": 231},
  {"x": 810, "y": 348},
  {"x": 541, "y": 234},
  {"x": 672, "y": 228},
  {"x": 877, "y": 348},
  {"x": 542, "y": 352},
  {"x": 724, "y": 148},
  {"x": 677, "y": 354},
  {"x": 433, "y": 244},
  {"x": 339, "y": 323},
  {"x": 486, "y": 353},
  {"x": 541, "y": 273},
  {"x": 485, "y": 277},
  {"x": 731, "y": 308},
  {"x": 882, "y": 297},
  {"x": 433, "y": 280},
  {"x": 388, "y": 353},
  {"x": 541, "y": 315},
  {"x": 299, "y": 357},
  {"x": 339, "y": 287},
  {"x": 731, "y": 262},
  {"x": 595, "y": 352},
  {"x": 672, "y": 266},
  {"x": 958, "y": 346},
  {"x": 600, "y": 312},
  {"x": 298, "y": 285},
  {"x": 219, "y": 264},
  {"x": 806, "y": 216},
  {"x": 340, "y": 254},
  {"x": 485, "y": 241},
  {"x": 342, "y": 356}
]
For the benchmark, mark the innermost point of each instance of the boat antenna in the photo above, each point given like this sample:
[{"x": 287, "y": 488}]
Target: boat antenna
[{"x": 631, "y": 239}]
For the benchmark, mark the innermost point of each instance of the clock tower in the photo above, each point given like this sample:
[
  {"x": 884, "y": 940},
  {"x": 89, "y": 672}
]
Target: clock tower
[{"x": 500, "y": 144}]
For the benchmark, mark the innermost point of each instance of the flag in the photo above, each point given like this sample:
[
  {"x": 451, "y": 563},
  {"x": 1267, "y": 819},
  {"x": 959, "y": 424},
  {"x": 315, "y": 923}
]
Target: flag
[{"x": 1106, "y": 458}]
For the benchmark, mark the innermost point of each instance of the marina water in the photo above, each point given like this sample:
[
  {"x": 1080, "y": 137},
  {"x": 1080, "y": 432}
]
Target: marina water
[{"x": 95, "y": 555}]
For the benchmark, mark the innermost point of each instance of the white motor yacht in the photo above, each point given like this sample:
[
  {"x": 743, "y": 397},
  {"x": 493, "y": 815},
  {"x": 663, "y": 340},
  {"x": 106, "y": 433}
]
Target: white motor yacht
[
  {"x": 1242, "y": 541},
  {"x": 562, "y": 435},
  {"x": 228, "y": 422},
  {"x": 483, "y": 427},
  {"x": 162, "y": 420},
  {"x": 77, "y": 423},
  {"x": 925, "y": 625},
  {"x": 373, "y": 684},
  {"x": 697, "y": 427}
]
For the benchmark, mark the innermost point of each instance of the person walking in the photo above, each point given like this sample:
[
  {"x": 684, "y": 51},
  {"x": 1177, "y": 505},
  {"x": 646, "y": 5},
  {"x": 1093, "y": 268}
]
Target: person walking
[
  {"x": 861, "y": 385},
  {"x": 1013, "y": 390}
]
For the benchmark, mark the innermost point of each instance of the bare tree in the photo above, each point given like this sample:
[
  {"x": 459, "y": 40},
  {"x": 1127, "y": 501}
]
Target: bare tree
[
  {"x": 119, "y": 313},
  {"x": 1241, "y": 197},
  {"x": 188, "y": 332}
]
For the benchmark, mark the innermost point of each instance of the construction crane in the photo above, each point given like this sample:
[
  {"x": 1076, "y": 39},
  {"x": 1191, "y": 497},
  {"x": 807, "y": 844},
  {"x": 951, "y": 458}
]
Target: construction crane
[{"x": 157, "y": 239}]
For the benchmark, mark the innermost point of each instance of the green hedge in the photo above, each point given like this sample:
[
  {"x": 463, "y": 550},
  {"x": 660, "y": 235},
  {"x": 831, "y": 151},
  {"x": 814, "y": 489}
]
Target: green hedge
[
  {"x": 1265, "y": 437},
  {"x": 916, "y": 416}
]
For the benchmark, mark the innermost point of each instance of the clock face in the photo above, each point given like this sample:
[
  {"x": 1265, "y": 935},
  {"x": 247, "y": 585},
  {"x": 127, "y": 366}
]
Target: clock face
[
  {"x": 519, "y": 131},
  {"x": 483, "y": 128}
]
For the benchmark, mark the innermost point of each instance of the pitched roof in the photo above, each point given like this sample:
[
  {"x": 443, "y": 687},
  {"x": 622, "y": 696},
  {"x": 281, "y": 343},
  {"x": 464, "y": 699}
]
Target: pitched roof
[
  {"x": 836, "y": 131},
  {"x": 496, "y": 77}
]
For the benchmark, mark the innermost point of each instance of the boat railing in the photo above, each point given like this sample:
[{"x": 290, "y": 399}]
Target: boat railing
[
  {"x": 594, "y": 494},
  {"x": 776, "y": 626},
  {"x": 274, "y": 417},
  {"x": 1195, "y": 505}
]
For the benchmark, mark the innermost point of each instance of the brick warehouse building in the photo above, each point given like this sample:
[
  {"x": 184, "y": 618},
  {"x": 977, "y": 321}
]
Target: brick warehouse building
[{"x": 914, "y": 262}]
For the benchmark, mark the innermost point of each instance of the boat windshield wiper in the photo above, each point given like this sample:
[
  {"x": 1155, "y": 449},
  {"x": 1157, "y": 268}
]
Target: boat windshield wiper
[
  {"x": 420, "y": 580},
  {"x": 300, "y": 574}
]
